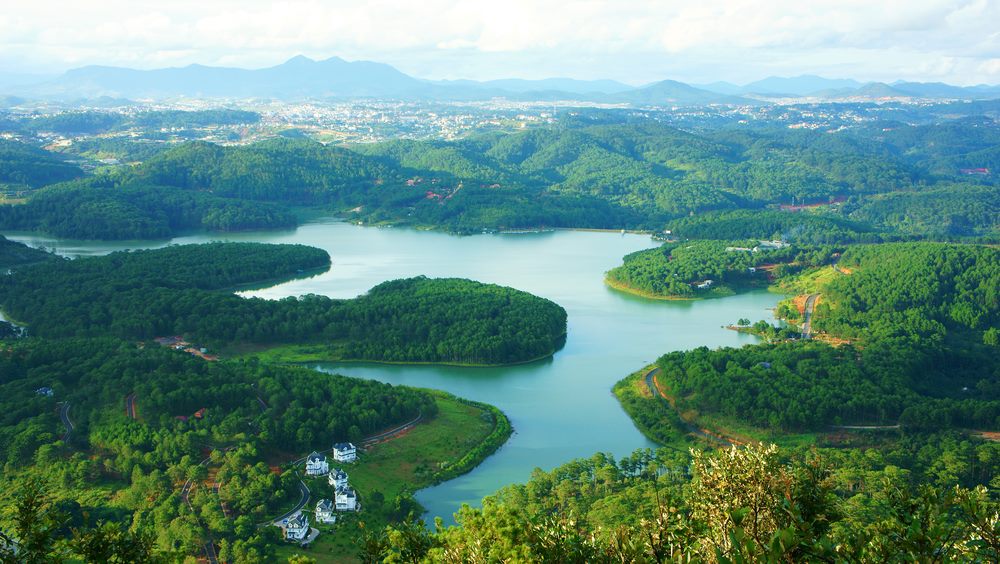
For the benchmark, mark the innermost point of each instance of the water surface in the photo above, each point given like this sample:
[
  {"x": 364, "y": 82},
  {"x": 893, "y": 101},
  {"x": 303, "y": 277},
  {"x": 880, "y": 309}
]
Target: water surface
[{"x": 561, "y": 408}]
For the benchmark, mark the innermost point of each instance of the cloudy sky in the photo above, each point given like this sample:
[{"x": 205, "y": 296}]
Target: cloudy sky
[{"x": 634, "y": 41}]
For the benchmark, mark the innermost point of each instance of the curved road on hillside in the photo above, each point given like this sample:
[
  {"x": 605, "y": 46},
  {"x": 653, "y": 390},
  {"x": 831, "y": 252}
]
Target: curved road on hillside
[
  {"x": 693, "y": 429},
  {"x": 304, "y": 491},
  {"x": 368, "y": 441},
  {"x": 208, "y": 547},
  {"x": 130, "y": 405},
  {"x": 379, "y": 437},
  {"x": 807, "y": 316},
  {"x": 64, "y": 416}
]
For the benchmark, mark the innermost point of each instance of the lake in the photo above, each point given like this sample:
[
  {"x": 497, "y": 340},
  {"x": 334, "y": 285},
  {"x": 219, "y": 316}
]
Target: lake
[{"x": 561, "y": 408}]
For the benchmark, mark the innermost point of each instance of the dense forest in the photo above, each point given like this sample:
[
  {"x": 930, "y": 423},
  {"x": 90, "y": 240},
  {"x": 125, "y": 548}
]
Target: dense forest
[
  {"x": 93, "y": 209},
  {"x": 811, "y": 386},
  {"x": 755, "y": 504},
  {"x": 23, "y": 166},
  {"x": 183, "y": 290},
  {"x": 918, "y": 290},
  {"x": 920, "y": 320},
  {"x": 860, "y": 185},
  {"x": 14, "y": 254},
  {"x": 245, "y": 412}
]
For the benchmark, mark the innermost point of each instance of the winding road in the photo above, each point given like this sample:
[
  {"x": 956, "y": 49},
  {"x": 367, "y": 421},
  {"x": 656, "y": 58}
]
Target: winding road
[
  {"x": 208, "y": 547},
  {"x": 693, "y": 429},
  {"x": 64, "y": 416},
  {"x": 130, "y": 405},
  {"x": 807, "y": 316},
  {"x": 379, "y": 437},
  {"x": 304, "y": 491},
  {"x": 367, "y": 441}
]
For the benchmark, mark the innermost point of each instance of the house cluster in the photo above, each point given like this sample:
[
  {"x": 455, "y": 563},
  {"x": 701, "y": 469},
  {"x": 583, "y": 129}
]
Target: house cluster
[
  {"x": 45, "y": 391},
  {"x": 344, "y": 498}
]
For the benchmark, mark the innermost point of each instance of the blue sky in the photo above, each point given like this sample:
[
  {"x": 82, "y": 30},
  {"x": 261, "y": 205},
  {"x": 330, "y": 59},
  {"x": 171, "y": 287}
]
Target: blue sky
[{"x": 632, "y": 41}]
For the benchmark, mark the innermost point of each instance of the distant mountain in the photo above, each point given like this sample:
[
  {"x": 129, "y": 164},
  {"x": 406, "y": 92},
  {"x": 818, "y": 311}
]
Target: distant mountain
[
  {"x": 879, "y": 90},
  {"x": 569, "y": 85},
  {"x": 303, "y": 78},
  {"x": 797, "y": 85},
  {"x": 299, "y": 77},
  {"x": 942, "y": 90},
  {"x": 668, "y": 92},
  {"x": 782, "y": 86},
  {"x": 721, "y": 87}
]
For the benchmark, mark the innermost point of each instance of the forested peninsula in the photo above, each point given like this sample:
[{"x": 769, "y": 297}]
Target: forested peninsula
[
  {"x": 913, "y": 328},
  {"x": 709, "y": 268},
  {"x": 186, "y": 290}
]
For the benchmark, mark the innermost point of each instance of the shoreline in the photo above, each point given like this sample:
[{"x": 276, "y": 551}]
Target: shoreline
[
  {"x": 621, "y": 287},
  {"x": 319, "y": 359}
]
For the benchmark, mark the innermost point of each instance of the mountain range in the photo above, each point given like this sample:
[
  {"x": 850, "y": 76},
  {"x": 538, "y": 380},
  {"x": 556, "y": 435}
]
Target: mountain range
[{"x": 334, "y": 78}]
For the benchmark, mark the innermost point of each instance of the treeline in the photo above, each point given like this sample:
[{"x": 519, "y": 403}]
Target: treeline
[
  {"x": 754, "y": 504},
  {"x": 14, "y": 254},
  {"x": 794, "y": 227},
  {"x": 258, "y": 410},
  {"x": 175, "y": 291},
  {"x": 97, "y": 209}
]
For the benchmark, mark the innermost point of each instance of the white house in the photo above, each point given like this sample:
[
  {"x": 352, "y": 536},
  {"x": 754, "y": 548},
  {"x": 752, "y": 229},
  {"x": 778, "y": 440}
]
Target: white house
[
  {"x": 337, "y": 478},
  {"x": 345, "y": 452},
  {"x": 346, "y": 499},
  {"x": 324, "y": 511},
  {"x": 296, "y": 527},
  {"x": 705, "y": 284},
  {"x": 316, "y": 465}
]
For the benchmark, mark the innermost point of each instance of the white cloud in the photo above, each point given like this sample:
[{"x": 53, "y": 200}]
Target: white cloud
[{"x": 637, "y": 40}]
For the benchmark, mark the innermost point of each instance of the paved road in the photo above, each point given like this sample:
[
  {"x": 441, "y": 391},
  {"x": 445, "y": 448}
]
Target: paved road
[
  {"x": 693, "y": 429},
  {"x": 392, "y": 432},
  {"x": 367, "y": 441},
  {"x": 304, "y": 490},
  {"x": 64, "y": 415},
  {"x": 807, "y": 316},
  {"x": 866, "y": 427},
  {"x": 130, "y": 405},
  {"x": 208, "y": 547}
]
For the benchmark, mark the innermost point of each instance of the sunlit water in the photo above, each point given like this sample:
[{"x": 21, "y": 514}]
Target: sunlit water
[{"x": 561, "y": 408}]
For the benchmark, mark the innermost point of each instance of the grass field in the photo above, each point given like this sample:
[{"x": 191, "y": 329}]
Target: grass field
[
  {"x": 406, "y": 463},
  {"x": 807, "y": 282}
]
